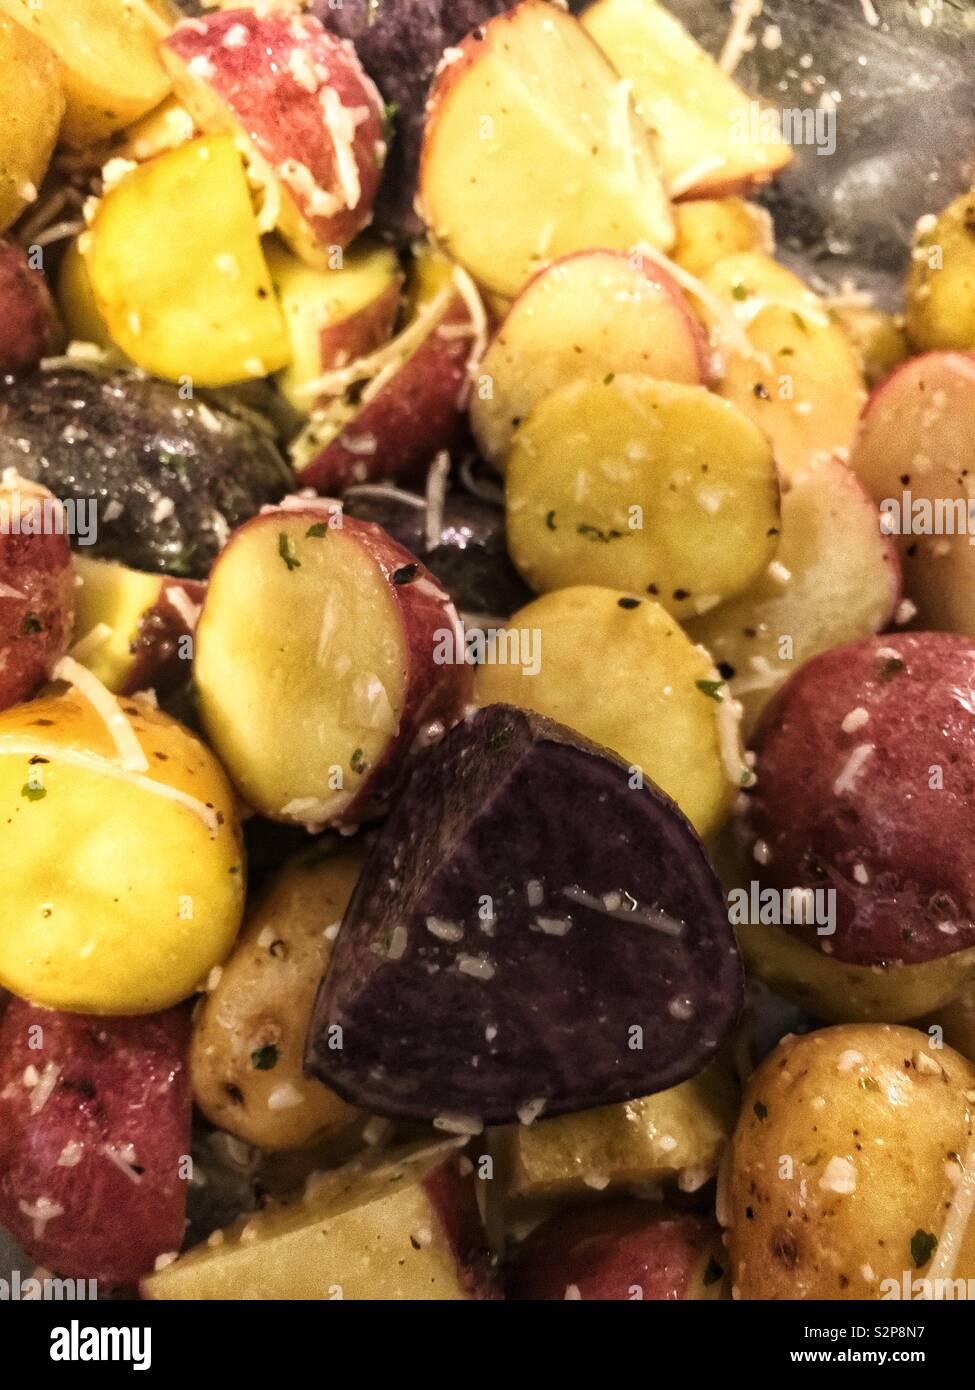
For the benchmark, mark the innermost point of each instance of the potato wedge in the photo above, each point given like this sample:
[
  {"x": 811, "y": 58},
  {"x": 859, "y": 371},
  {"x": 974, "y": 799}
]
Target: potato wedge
[
  {"x": 851, "y": 1168},
  {"x": 647, "y": 486},
  {"x": 30, "y": 115},
  {"x": 533, "y": 149},
  {"x": 709, "y": 229},
  {"x": 940, "y": 288},
  {"x": 652, "y": 697},
  {"x": 711, "y": 139},
  {"x": 126, "y": 880},
  {"x": 835, "y": 577},
  {"x": 249, "y": 1038},
  {"x": 177, "y": 270},
  {"x": 107, "y": 51}
]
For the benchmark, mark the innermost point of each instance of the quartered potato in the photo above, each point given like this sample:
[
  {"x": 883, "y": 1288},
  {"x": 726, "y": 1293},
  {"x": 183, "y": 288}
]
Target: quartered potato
[{"x": 30, "y": 114}]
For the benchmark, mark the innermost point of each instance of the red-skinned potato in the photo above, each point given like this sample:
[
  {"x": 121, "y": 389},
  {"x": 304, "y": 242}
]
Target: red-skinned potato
[
  {"x": 318, "y": 668},
  {"x": 313, "y": 118},
  {"x": 412, "y": 405},
  {"x": 587, "y": 315},
  {"x": 29, "y": 327},
  {"x": 912, "y": 453},
  {"x": 622, "y": 1251},
  {"x": 94, "y": 1125},
  {"x": 865, "y": 787},
  {"x": 37, "y": 588}
]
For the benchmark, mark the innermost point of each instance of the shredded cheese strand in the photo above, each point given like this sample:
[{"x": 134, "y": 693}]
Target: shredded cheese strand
[
  {"x": 108, "y": 709},
  {"x": 736, "y": 43},
  {"x": 956, "y": 1222}
]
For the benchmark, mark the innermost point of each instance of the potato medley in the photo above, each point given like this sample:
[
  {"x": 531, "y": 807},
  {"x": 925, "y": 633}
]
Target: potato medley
[{"x": 482, "y": 641}]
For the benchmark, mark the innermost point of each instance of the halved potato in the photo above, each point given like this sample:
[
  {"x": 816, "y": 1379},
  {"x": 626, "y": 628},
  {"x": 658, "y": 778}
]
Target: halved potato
[
  {"x": 940, "y": 290},
  {"x": 642, "y": 485},
  {"x": 533, "y": 149},
  {"x": 177, "y": 271},
  {"x": 110, "y": 66},
  {"x": 30, "y": 116},
  {"x": 76, "y": 302}
]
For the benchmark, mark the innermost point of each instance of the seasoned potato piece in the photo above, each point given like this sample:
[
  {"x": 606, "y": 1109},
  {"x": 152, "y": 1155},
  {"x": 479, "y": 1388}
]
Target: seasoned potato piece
[
  {"x": 76, "y": 302},
  {"x": 177, "y": 270},
  {"x": 121, "y": 853},
  {"x": 249, "y": 1038},
  {"x": 800, "y": 380},
  {"x": 110, "y": 67},
  {"x": 647, "y": 694},
  {"x": 673, "y": 1136},
  {"x": 879, "y": 338},
  {"x": 643, "y": 485},
  {"x": 30, "y": 115},
  {"x": 708, "y": 229},
  {"x": 940, "y": 289},
  {"x": 852, "y": 1168}
]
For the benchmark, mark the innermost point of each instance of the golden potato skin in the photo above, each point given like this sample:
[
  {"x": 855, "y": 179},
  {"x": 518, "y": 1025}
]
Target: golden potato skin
[
  {"x": 249, "y": 1036},
  {"x": 33, "y": 105},
  {"x": 845, "y": 1151},
  {"x": 940, "y": 289}
]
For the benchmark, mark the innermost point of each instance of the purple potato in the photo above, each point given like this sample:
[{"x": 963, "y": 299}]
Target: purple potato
[
  {"x": 400, "y": 43},
  {"x": 529, "y": 934}
]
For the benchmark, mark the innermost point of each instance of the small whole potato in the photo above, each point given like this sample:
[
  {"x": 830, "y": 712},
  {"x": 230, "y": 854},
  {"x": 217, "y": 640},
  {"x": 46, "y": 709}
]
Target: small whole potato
[
  {"x": 851, "y": 1168},
  {"x": 249, "y": 1037}
]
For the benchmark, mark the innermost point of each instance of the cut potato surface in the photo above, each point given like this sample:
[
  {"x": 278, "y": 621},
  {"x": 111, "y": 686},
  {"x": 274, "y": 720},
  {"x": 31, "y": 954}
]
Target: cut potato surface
[
  {"x": 709, "y": 229},
  {"x": 650, "y": 695},
  {"x": 126, "y": 883},
  {"x": 178, "y": 273},
  {"x": 533, "y": 149},
  {"x": 315, "y": 667},
  {"x": 711, "y": 136},
  {"x": 642, "y": 485},
  {"x": 33, "y": 104},
  {"x": 800, "y": 381},
  {"x": 834, "y": 578},
  {"x": 586, "y": 316},
  {"x": 110, "y": 67}
]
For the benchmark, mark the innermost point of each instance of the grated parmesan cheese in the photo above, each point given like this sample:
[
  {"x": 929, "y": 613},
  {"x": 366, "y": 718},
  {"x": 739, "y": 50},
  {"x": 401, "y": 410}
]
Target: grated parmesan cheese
[{"x": 108, "y": 709}]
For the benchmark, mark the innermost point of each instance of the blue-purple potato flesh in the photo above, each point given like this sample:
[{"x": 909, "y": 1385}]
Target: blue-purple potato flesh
[{"x": 531, "y": 934}]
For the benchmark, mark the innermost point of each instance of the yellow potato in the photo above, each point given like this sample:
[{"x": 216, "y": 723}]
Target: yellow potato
[
  {"x": 648, "y": 486},
  {"x": 107, "y": 51},
  {"x": 708, "y": 229},
  {"x": 178, "y": 273},
  {"x": 621, "y": 672},
  {"x": 123, "y": 887},
  {"x": 879, "y": 338},
  {"x": 31, "y": 108},
  {"x": 249, "y": 1037},
  {"x": 852, "y": 1168},
  {"x": 76, "y": 302},
  {"x": 940, "y": 291}
]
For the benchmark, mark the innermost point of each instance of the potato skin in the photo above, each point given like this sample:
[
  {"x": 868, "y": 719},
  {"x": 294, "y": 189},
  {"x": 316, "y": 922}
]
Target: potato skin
[
  {"x": 845, "y": 1151},
  {"x": 37, "y": 595},
  {"x": 249, "y": 1036},
  {"x": 29, "y": 328},
  {"x": 859, "y": 809}
]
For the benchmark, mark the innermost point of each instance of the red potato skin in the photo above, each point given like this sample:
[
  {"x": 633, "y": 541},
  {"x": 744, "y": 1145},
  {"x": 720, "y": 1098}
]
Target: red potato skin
[
  {"x": 157, "y": 664},
  {"x": 120, "y": 1081},
  {"x": 453, "y": 1199},
  {"x": 417, "y": 413},
  {"x": 29, "y": 327},
  {"x": 607, "y": 1252},
  {"x": 361, "y": 333},
  {"x": 911, "y": 839},
  {"x": 266, "y": 75},
  {"x": 37, "y": 600}
]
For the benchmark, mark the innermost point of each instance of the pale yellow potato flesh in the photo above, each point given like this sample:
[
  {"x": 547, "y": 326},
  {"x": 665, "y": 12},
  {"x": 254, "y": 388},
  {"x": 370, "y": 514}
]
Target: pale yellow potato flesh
[
  {"x": 709, "y": 229},
  {"x": 247, "y": 1050},
  {"x": 33, "y": 104},
  {"x": 111, "y": 594},
  {"x": 709, "y": 133},
  {"x": 644, "y": 694},
  {"x": 533, "y": 149},
  {"x": 940, "y": 290},
  {"x": 853, "y": 1145},
  {"x": 177, "y": 270}
]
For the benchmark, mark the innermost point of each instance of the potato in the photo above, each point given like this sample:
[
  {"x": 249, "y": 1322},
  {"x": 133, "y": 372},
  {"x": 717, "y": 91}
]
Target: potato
[
  {"x": 562, "y": 162},
  {"x": 30, "y": 116},
  {"x": 399, "y": 1227},
  {"x": 710, "y": 135},
  {"x": 177, "y": 270},
  {"x": 709, "y": 229},
  {"x": 799, "y": 378},
  {"x": 623, "y": 1251},
  {"x": 941, "y": 281},
  {"x": 879, "y": 338},
  {"x": 249, "y": 1037},
  {"x": 121, "y": 852},
  {"x": 834, "y": 578},
  {"x": 912, "y": 453},
  {"x": 29, "y": 329},
  {"x": 588, "y": 315},
  {"x": 675, "y": 1136},
  {"x": 76, "y": 302},
  {"x": 107, "y": 51},
  {"x": 865, "y": 790},
  {"x": 37, "y": 587},
  {"x": 851, "y": 1168},
  {"x": 649, "y": 695},
  {"x": 641, "y": 485}
]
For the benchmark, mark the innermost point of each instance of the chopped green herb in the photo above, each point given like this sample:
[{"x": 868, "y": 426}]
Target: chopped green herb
[
  {"x": 316, "y": 532},
  {"x": 31, "y": 623},
  {"x": 355, "y": 762},
  {"x": 550, "y": 520},
  {"x": 869, "y": 1083},
  {"x": 265, "y": 1057},
  {"x": 286, "y": 549},
  {"x": 390, "y": 112},
  {"x": 739, "y": 292},
  {"x": 800, "y": 323},
  {"x": 761, "y": 1110},
  {"x": 406, "y": 574},
  {"x": 33, "y": 793},
  {"x": 628, "y": 602},
  {"x": 923, "y": 1246},
  {"x": 711, "y": 688},
  {"x": 609, "y": 378},
  {"x": 595, "y": 534}
]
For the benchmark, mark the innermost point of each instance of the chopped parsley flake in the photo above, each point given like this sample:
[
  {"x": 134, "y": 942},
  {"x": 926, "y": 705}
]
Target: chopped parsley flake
[
  {"x": 711, "y": 688},
  {"x": 265, "y": 1057},
  {"x": 761, "y": 1110},
  {"x": 923, "y": 1246},
  {"x": 286, "y": 549},
  {"x": 316, "y": 532},
  {"x": 33, "y": 793}
]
